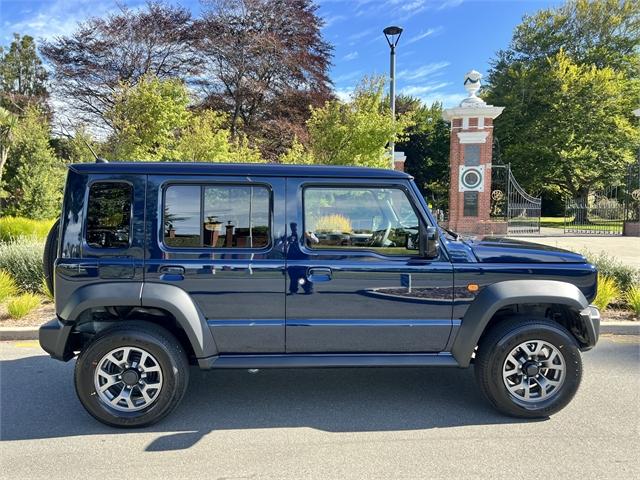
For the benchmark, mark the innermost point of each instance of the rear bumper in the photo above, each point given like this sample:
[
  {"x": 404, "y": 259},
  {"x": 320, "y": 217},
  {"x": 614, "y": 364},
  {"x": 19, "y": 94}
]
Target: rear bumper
[
  {"x": 54, "y": 339},
  {"x": 590, "y": 317}
]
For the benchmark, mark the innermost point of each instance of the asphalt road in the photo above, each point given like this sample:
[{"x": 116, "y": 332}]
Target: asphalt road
[{"x": 324, "y": 424}]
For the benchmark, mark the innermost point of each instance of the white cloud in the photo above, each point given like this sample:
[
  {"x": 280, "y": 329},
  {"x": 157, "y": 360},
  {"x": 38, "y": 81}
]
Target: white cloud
[
  {"x": 60, "y": 17},
  {"x": 450, "y": 4},
  {"x": 350, "y": 56},
  {"x": 344, "y": 94},
  {"x": 360, "y": 35},
  {"x": 447, "y": 99},
  {"x": 425, "y": 34},
  {"x": 345, "y": 77},
  {"x": 332, "y": 20},
  {"x": 421, "y": 90},
  {"x": 423, "y": 72},
  {"x": 412, "y": 6}
]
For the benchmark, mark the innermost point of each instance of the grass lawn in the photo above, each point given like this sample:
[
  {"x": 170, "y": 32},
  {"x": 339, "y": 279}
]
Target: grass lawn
[
  {"x": 552, "y": 222},
  {"x": 558, "y": 222}
]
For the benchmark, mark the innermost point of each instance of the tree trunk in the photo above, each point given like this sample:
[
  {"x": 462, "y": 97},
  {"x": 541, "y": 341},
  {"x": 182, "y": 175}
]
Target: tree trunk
[
  {"x": 582, "y": 210},
  {"x": 4, "y": 153}
]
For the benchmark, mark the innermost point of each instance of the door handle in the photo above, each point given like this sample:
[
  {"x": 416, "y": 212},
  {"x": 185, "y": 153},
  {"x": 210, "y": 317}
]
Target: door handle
[
  {"x": 171, "y": 273},
  {"x": 319, "y": 274}
]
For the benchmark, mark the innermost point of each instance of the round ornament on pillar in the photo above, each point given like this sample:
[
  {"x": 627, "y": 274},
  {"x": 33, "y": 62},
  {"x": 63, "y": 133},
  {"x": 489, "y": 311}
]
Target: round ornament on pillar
[{"x": 471, "y": 179}]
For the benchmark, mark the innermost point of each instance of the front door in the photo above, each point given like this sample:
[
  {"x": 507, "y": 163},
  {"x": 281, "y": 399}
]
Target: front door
[
  {"x": 221, "y": 239},
  {"x": 355, "y": 279}
]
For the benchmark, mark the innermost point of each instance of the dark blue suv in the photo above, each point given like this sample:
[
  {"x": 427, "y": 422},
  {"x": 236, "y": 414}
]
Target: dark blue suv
[{"x": 156, "y": 266}]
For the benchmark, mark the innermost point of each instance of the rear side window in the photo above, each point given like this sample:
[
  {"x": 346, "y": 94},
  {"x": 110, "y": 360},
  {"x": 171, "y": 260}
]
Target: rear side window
[
  {"x": 109, "y": 215},
  {"x": 216, "y": 216}
]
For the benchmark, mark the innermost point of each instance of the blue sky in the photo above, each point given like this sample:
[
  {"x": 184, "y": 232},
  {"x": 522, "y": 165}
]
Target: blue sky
[{"x": 442, "y": 40}]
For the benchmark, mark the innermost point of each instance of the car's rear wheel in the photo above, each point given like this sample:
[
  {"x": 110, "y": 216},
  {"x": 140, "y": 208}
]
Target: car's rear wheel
[
  {"x": 528, "y": 368},
  {"x": 132, "y": 375}
]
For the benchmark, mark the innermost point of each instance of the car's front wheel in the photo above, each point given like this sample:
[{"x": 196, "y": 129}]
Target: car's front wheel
[
  {"x": 528, "y": 368},
  {"x": 132, "y": 375}
]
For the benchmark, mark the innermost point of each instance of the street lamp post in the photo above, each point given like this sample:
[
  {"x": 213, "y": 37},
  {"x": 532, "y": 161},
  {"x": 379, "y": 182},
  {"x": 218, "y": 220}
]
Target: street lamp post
[{"x": 392, "y": 34}]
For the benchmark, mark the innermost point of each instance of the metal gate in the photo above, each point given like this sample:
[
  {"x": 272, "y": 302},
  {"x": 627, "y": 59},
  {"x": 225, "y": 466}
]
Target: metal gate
[
  {"x": 605, "y": 211},
  {"x": 599, "y": 213},
  {"x": 510, "y": 202}
]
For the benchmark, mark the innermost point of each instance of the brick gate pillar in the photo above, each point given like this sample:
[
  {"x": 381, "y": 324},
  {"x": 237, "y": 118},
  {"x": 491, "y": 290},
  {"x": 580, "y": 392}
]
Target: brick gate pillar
[{"x": 470, "y": 154}]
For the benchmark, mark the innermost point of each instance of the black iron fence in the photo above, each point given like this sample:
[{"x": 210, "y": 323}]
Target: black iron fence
[{"x": 605, "y": 211}]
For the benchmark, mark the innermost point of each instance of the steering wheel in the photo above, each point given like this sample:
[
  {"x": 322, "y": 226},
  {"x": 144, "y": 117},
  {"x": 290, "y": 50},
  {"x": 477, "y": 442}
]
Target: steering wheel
[{"x": 379, "y": 238}]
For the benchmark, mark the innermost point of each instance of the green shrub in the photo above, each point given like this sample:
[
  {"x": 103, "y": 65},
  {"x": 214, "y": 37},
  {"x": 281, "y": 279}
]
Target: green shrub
[
  {"x": 8, "y": 287},
  {"x": 21, "y": 305},
  {"x": 624, "y": 275},
  {"x": 44, "y": 289},
  {"x": 633, "y": 298},
  {"x": 12, "y": 228},
  {"x": 22, "y": 259},
  {"x": 608, "y": 291}
]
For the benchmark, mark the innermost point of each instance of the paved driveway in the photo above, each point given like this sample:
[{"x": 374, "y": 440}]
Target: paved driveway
[
  {"x": 625, "y": 249},
  {"x": 324, "y": 424}
]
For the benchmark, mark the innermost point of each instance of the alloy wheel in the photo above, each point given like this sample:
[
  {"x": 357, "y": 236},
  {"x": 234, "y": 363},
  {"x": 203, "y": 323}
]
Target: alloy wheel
[
  {"x": 128, "y": 379},
  {"x": 533, "y": 371}
]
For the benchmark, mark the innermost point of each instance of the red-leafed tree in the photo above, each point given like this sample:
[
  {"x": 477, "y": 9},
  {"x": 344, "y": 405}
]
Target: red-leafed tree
[
  {"x": 265, "y": 64},
  {"x": 90, "y": 65}
]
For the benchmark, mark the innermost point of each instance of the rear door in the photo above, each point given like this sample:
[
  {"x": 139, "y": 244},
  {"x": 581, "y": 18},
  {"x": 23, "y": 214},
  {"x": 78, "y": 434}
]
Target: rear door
[
  {"x": 356, "y": 282},
  {"x": 221, "y": 240}
]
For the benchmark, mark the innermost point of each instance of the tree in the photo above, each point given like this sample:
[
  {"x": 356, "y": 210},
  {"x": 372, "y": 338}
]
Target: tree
[
  {"x": 426, "y": 147},
  {"x": 146, "y": 117},
  {"x": 206, "y": 139},
  {"x": 91, "y": 65},
  {"x": 22, "y": 76},
  {"x": 297, "y": 154},
  {"x": 152, "y": 121},
  {"x": 266, "y": 63},
  {"x": 33, "y": 179},
  {"x": 604, "y": 33},
  {"x": 582, "y": 136},
  {"x": 569, "y": 83},
  {"x": 357, "y": 132},
  {"x": 74, "y": 145}
]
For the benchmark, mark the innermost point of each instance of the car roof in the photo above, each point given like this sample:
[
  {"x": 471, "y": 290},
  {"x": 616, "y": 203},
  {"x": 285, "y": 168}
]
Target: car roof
[{"x": 251, "y": 169}]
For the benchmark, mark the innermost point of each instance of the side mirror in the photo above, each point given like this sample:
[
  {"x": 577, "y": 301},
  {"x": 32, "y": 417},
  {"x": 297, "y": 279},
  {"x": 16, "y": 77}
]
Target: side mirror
[{"x": 429, "y": 244}]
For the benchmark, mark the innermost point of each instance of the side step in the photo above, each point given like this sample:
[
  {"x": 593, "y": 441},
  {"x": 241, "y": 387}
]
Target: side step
[{"x": 327, "y": 360}]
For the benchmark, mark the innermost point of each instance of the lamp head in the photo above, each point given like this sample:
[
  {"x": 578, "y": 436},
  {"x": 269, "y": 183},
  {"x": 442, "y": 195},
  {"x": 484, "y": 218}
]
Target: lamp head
[{"x": 392, "y": 34}]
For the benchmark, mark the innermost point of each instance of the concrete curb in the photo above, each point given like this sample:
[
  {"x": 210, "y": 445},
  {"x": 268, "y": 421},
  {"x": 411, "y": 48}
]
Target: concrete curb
[
  {"x": 606, "y": 328},
  {"x": 620, "y": 328},
  {"x": 19, "y": 333}
]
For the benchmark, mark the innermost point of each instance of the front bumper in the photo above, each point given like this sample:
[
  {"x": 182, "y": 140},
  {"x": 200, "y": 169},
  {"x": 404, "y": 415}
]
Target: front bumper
[
  {"x": 590, "y": 317},
  {"x": 54, "y": 339}
]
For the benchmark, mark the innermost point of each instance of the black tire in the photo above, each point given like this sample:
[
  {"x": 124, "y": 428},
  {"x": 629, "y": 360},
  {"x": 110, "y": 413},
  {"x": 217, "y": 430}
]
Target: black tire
[
  {"x": 50, "y": 254},
  {"x": 155, "y": 340},
  {"x": 497, "y": 344}
]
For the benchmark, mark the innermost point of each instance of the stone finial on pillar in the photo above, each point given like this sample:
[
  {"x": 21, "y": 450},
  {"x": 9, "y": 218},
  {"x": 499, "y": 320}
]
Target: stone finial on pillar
[{"x": 470, "y": 154}]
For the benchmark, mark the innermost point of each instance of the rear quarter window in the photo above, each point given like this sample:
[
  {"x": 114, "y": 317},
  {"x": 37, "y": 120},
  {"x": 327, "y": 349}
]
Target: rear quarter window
[{"x": 109, "y": 215}]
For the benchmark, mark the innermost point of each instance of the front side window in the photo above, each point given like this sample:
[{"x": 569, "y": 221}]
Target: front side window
[
  {"x": 109, "y": 215},
  {"x": 216, "y": 216},
  {"x": 372, "y": 218}
]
